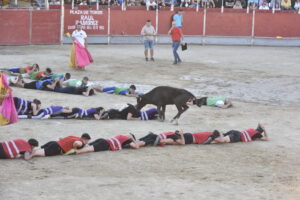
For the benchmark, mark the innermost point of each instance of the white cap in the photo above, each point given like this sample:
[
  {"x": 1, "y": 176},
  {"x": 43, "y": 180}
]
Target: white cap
[{"x": 220, "y": 103}]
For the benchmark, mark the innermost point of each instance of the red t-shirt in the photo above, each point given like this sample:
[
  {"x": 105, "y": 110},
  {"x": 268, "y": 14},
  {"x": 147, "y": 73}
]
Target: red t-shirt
[{"x": 176, "y": 34}]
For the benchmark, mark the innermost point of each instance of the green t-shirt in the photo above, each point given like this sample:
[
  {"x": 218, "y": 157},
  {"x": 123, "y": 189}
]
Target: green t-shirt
[
  {"x": 34, "y": 75},
  {"x": 211, "y": 101},
  {"x": 75, "y": 83},
  {"x": 59, "y": 76},
  {"x": 121, "y": 91}
]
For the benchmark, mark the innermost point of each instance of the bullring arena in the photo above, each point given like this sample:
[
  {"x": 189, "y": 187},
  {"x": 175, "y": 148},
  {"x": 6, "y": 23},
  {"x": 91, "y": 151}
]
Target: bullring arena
[{"x": 262, "y": 82}]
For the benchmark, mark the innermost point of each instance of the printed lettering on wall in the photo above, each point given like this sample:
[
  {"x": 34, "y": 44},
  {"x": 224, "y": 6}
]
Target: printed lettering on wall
[{"x": 92, "y": 21}]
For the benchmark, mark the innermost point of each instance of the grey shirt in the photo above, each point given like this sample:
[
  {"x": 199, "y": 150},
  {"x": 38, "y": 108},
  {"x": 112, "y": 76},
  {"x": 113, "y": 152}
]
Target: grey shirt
[{"x": 148, "y": 30}]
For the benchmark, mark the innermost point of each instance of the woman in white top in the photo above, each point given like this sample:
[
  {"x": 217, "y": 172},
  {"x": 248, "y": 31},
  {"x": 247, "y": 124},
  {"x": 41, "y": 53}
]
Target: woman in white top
[{"x": 80, "y": 57}]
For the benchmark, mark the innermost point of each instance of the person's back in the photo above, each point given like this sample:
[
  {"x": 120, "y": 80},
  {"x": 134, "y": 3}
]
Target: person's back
[{"x": 178, "y": 19}]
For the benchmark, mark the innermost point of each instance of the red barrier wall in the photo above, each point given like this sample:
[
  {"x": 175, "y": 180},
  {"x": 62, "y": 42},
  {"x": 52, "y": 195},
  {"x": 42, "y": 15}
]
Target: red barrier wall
[
  {"x": 228, "y": 24},
  {"x": 45, "y": 27},
  {"x": 130, "y": 22},
  {"x": 14, "y": 27},
  {"x": 192, "y": 22},
  {"x": 94, "y": 21},
  {"x": 278, "y": 24}
]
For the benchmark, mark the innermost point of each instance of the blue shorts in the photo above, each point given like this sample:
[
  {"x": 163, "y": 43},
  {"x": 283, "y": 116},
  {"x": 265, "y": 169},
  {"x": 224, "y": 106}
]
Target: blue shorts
[{"x": 149, "y": 44}]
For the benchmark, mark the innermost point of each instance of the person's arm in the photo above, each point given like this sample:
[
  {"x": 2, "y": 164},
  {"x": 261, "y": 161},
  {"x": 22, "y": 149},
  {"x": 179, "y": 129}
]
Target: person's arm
[
  {"x": 97, "y": 117},
  {"x": 77, "y": 144},
  {"x": 87, "y": 92},
  {"x": 181, "y": 35},
  {"x": 181, "y": 141},
  {"x": 134, "y": 145},
  {"x": 143, "y": 31},
  {"x": 35, "y": 109},
  {"x": 170, "y": 31},
  {"x": 129, "y": 117}
]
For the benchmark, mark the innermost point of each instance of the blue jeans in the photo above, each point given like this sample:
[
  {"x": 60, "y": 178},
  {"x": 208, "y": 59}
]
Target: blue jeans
[
  {"x": 109, "y": 90},
  {"x": 175, "y": 46}
]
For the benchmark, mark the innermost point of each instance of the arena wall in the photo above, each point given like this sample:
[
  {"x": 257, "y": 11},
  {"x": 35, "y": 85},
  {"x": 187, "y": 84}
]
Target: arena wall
[{"x": 211, "y": 26}]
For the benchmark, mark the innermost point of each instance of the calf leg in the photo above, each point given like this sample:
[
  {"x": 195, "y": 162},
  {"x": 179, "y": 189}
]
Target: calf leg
[
  {"x": 181, "y": 109},
  {"x": 160, "y": 114}
]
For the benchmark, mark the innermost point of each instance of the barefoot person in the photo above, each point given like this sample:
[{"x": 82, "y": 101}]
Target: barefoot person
[
  {"x": 177, "y": 37},
  {"x": 148, "y": 31},
  {"x": 8, "y": 113},
  {"x": 80, "y": 57},
  {"x": 17, "y": 148}
]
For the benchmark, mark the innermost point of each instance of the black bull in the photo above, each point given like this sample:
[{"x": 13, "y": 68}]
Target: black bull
[{"x": 164, "y": 95}]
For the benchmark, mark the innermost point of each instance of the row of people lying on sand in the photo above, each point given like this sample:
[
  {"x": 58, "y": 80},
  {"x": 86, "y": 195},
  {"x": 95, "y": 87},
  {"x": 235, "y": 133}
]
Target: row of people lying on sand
[
  {"x": 33, "y": 110},
  {"x": 78, "y": 145},
  {"x": 64, "y": 84}
]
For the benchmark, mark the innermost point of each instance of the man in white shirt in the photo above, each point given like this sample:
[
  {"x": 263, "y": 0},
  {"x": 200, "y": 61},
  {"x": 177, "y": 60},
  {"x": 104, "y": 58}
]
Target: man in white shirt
[
  {"x": 151, "y": 5},
  {"x": 148, "y": 31},
  {"x": 80, "y": 35}
]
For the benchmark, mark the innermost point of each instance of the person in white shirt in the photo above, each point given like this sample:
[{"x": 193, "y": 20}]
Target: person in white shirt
[
  {"x": 297, "y": 5},
  {"x": 151, "y": 5},
  {"x": 148, "y": 31},
  {"x": 264, "y": 6},
  {"x": 84, "y": 58}
]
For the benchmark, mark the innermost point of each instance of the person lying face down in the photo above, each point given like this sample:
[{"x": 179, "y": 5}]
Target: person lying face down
[
  {"x": 25, "y": 107},
  {"x": 77, "y": 83},
  {"x": 47, "y": 84},
  {"x": 79, "y": 113},
  {"x": 130, "y": 92},
  {"x": 17, "y": 148},
  {"x": 24, "y": 71},
  {"x": 62, "y": 146},
  {"x": 46, "y": 113},
  {"x": 85, "y": 91},
  {"x": 176, "y": 137},
  {"x": 39, "y": 75},
  {"x": 131, "y": 113},
  {"x": 247, "y": 135},
  {"x": 220, "y": 102},
  {"x": 116, "y": 143}
]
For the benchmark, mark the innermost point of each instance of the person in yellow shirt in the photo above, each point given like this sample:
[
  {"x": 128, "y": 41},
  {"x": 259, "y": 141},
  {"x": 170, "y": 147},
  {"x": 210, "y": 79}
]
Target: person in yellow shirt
[{"x": 286, "y": 4}]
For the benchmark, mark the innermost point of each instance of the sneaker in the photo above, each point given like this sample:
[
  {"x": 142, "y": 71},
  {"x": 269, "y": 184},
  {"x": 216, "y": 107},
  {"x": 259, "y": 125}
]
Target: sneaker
[
  {"x": 152, "y": 59},
  {"x": 146, "y": 59},
  {"x": 175, "y": 63}
]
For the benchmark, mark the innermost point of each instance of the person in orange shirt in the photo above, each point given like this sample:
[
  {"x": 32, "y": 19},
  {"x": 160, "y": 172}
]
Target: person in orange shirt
[{"x": 177, "y": 37}]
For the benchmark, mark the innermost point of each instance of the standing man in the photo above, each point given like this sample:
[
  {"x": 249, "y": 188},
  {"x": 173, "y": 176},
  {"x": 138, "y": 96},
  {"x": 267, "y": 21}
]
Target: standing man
[
  {"x": 148, "y": 31},
  {"x": 177, "y": 36},
  {"x": 178, "y": 18},
  {"x": 80, "y": 57}
]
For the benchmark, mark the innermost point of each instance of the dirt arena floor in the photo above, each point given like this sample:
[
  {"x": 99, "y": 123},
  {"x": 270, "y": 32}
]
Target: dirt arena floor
[{"x": 263, "y": 83}]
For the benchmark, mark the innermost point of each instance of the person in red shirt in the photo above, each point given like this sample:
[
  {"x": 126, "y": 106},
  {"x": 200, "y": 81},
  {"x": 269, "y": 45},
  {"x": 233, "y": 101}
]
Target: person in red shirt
[
  {"x": 62, "y": 146},
  {"x": 17, "y": 148},
  {"x": 177, "y": 36}
]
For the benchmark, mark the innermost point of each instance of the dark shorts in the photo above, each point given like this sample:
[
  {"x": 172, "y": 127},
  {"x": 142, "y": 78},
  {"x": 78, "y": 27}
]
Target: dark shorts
[
  {"x": 235, "y": 136},
  {"x": 2, "y": 152},
  {"x": 52, "y": 149},
  {"x": 31, "y": 85},
  {"x": 100, "y": 145}
]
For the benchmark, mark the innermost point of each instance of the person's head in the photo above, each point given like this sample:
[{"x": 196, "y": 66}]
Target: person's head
[
  {"x": 180, "y": 12},
  {"x": 67, "y": 76},
  {"x": 48, "y": 71},
  {"x": 132, "y": 89},
  {"x": 79, "y": 26},
  {"x": 99, "y": 110},
  {"x": 33, "y": 143},
  {"x": 86, "y": 138},
  {"x": 237, "y": 3},
  {"x": 35, "y": 67},
  {"x": 85, "y": 80},
  {"x": 38, "y": 103},
  {"x": 91, "y": 92},
  {"x": 148, "y": 22}
]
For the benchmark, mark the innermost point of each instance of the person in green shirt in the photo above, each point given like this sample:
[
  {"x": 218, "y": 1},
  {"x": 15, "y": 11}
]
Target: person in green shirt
[
  {"x": 77, "y": 83},
  {"x": 220, "y": 102},
  {"x": 131, "y": 91},
  {"x": 39, "y": 75}
]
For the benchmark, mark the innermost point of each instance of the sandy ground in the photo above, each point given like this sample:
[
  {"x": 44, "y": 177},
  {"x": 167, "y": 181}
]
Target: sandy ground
[{"x": 263, "y": 82}]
